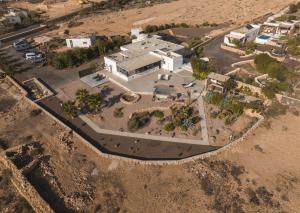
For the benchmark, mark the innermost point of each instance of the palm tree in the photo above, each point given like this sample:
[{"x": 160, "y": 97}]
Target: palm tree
[
  {"x": 94, "y": 102},
  {"x": 70, "y": 108},
  {"x": 82, "y": 96}
]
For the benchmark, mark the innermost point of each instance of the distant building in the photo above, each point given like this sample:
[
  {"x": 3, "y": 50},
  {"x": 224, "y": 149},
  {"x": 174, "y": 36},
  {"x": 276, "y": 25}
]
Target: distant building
[
  {"x": 242, "y": 35},
  {"x": 214, "y": 82},
  {"x": 81, "y": 41},
  {"x": 145, "y": 55},
  {"x": 14, "y": 16},
  {"x": 278, "y": 29}
]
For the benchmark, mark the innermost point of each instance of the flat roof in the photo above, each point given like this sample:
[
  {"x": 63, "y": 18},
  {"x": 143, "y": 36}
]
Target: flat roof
[
  {"x": 81, "y": 35},
  {"x": 245, "y": 29},
  {"x": 235, "y": 36},
  {"x": 150, "y": 44},
  {"x": 218, "y": 77},
  {"x": 139, "y": 62}
]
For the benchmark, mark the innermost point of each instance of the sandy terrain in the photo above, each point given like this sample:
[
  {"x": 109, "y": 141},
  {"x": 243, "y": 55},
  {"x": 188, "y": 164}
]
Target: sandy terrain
[
  {"x": 188, "y": 11},
  {"x": 50, "y": 8}
]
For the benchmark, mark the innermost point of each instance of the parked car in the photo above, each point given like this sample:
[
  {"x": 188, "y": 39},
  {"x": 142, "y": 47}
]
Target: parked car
[
  {"x": 21, "y": 44},
  {"x": 34, "y": 56}
]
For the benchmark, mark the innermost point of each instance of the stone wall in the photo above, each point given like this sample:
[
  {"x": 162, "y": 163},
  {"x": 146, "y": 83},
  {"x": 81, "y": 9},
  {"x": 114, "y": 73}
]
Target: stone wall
[
  {"x": 25, "y": 188},
  {"x": 232, "y": 49}
]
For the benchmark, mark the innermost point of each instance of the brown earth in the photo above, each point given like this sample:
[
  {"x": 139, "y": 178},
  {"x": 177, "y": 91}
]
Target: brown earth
[{"x": 193, "y": 12}]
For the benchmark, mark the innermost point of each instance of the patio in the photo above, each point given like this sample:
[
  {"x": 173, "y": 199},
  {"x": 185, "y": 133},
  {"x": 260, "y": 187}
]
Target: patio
[{"x": 148, "y": 83}]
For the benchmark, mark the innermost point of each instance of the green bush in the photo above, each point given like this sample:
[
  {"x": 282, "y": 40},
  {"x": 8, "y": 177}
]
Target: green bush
[
  {"x": 293, "y": 8},
  {"x": 268, "y": 65},
  {"x": 118, "y": 113},
  {"x": 158, "y": 114},
  {"x": 169, "y": 127},
  {"x": 214, "y": 98},
  {"x": 201, "y": 68},
  {"x": 138, "y": 121},
  {"x": 230, "y": 84},
  {"x": 272, "y": 88}
]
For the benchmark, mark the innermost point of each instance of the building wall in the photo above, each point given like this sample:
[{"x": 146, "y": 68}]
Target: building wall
[
  {"x": 13, "y": 19},
  {"x": 80, "y": 42}
]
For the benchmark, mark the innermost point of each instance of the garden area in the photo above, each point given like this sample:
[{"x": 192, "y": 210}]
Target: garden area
[
  {"x": 142, "y": 114},
  {"x": 175, "y": 121},
  {"x": 282, "y": 78},
  {"x": 246, "y": 73}
]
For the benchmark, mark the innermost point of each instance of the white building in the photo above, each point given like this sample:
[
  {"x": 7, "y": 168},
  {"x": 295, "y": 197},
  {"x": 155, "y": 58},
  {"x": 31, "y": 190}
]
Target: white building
[
  {"x": 145, "y": 56},
  {"x": 81, "y": 41},
  {"x": 278, "y": 29},
  {"x": 242, "y": 35}
]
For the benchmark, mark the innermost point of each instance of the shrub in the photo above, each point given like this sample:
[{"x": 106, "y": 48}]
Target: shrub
[
  {"x": 138, "y": 121},
  {"x": 214, "y": 98},
  {"x": 70, "y": 108},
  {"x": 262, "y": 61},
  {"x": 35, "y": 112},
  {"x": 293, "y": 8},
  {"x": 158, "y": 114},
  {"x": 201, "y": 68},
  {"x": 268, "y": 65},
  {"x": 118, "y": 113},
  {"x": 230, "y": 84},
  {"x": 272, "y": 88},
  {"x": 169, "y": 127}
]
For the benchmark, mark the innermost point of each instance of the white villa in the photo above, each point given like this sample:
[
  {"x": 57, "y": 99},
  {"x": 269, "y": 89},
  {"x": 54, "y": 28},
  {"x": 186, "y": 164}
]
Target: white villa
[
  {"x": 81, "y": 41},
  {"x": 242, "y": 35},
  {"x": 278, "y": 29},
  {"x": 146, "y": 54}
]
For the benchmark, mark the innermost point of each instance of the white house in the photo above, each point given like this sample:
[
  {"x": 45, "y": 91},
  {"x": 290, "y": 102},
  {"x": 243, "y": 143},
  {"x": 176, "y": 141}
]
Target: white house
[
  {"x": 242, "y": 35},
  {"x": 142, "y": 57},
  {"x": 277, "y": 29},
  {"x": 81, "y": 41}
]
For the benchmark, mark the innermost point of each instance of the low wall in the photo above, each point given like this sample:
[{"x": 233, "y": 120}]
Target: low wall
[
  {"x": 25, "y": 188},
  {"x": 232, "y": 49},
  {"x": 242, "y": 62}
]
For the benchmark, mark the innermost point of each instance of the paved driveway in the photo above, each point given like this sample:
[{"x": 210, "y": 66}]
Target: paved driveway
[{"x": 221, "y": 58}]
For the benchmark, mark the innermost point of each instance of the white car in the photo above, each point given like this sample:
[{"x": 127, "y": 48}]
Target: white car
[{"x": 34, "y": 57}]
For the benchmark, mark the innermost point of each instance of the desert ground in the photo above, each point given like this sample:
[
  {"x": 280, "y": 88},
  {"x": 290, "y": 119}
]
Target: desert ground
[
  {"x": 260, "y": 174},
  {"x": 193, "y": 12},
  {"x": 52, "y": 9}
]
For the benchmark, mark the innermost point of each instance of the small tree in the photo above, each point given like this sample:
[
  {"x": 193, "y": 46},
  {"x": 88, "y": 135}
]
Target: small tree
[
  {"x": 169, "y": 127},
  {"x": 70, "y": 108},
  {"x": 94, "y": 102},
  {"x": 82, "y": 96},
  {"x": 158, "y": 114}
]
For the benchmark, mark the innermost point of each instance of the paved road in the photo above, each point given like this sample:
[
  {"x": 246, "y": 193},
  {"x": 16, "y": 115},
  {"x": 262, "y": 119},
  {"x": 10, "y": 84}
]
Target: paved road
[
  {"x": 221, "y": 58},
  {"x": 126, "y": 146}
]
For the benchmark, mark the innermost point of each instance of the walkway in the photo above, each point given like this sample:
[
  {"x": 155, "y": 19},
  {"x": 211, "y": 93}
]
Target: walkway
[
  {"x": 126, "y": 146},
  {"x": 203, "y": 121},
  {"x": 97, "y": 129}
]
